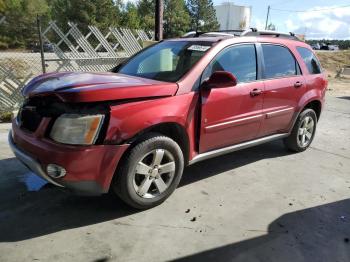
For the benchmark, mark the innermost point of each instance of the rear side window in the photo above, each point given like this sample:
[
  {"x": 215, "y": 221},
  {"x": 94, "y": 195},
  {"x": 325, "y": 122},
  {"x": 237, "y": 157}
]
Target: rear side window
[
  {"x": 312, "y": 63},
  {"x": 240, "y": 60},
  {"x": 279, "y": 62}
]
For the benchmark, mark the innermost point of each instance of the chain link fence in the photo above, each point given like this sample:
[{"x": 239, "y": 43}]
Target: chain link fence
[{"x": 74, "y": 49}]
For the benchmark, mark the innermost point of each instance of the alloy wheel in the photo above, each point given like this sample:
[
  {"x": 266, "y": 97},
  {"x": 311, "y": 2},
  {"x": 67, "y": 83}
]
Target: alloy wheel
[
  {"x": 305, "y": 131},
  {"x": 154, "y": 173}
]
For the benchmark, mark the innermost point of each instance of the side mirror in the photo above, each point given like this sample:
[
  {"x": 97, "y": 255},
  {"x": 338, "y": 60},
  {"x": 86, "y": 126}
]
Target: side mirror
[{"x": 220, "y": 79}]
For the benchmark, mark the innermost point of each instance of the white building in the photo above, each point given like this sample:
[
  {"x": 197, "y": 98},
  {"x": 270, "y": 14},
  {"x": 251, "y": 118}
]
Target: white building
[{"x": 231, "y": 16}]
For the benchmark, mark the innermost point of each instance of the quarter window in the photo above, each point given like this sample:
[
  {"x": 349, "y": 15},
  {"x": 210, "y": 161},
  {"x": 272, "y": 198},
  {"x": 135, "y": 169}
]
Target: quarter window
[
  {"x": 238, "y": 60},
  {"x": 312, "y": 63},
  {"x": 279, "y": 62}
]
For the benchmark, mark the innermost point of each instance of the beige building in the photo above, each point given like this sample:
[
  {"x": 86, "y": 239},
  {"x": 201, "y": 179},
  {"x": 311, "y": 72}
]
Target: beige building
[{"x": 231, "y": 16}]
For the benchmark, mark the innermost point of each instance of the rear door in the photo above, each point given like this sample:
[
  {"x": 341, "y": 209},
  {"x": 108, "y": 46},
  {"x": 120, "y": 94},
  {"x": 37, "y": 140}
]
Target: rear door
[
  {"x": 232, "y": 115},
  {"x": 315, "y": 77},
  {"x": 284, "y": 86}
]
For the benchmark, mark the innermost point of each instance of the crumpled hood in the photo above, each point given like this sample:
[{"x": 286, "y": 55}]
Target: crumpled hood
[{"x": 94, "y": 87}]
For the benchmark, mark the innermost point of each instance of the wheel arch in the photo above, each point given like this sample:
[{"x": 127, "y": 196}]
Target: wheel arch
[
  {"x": 316, "y": 105},
  {"x": 172, "y": 130},
  {"x": 312, "y": 103}
]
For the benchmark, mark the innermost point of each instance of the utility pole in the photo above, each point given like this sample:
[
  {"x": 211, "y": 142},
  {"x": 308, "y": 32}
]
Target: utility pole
[
  {"x": 267, "y": 17},
  {"x": 38, "y": 21},
  {"x": 158, "y": 29}
]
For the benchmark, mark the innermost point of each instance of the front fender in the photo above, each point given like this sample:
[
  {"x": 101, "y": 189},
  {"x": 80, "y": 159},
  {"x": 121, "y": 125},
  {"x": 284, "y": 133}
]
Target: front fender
[{"x": 127, "y": 120}]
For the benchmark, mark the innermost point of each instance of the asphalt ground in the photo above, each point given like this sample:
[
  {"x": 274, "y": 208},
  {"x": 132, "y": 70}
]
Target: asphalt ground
[{"x": 259, "y": 204}]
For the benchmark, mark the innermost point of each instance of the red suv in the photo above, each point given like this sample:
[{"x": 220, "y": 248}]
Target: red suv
[{"x": 173, "y": 104}]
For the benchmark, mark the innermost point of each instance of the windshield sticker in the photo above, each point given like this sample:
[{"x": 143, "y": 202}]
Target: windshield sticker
[{"x": 200, "y": 48}]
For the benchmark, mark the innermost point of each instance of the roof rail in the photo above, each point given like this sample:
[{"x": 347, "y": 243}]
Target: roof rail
[
  {"x": 255, "y": 32},
  {"x": 248, "y": 32},
  {"x": 213, "y": 33}
]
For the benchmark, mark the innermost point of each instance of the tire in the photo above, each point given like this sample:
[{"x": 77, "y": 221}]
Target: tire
[
  {"x": 305, "y": 126},
  {"x": 142, "y": 169}
]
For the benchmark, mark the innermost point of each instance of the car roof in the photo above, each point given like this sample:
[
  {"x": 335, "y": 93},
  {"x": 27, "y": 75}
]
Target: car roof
[
  {"x": 244, "y": 39},
  {"x": 248, "y": 35},
  {"x": 200, "y": 39}
]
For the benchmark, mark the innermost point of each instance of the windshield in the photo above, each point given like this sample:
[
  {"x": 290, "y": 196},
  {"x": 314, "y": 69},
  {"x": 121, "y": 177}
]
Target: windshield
[{"x": 167, "y": 61}]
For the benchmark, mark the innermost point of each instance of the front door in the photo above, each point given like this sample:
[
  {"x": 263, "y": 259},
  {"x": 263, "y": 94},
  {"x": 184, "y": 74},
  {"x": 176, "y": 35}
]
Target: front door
[{"x": 233, "y": 114}]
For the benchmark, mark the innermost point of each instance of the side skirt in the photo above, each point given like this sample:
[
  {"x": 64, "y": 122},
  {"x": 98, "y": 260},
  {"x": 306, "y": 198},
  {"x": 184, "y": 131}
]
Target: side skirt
[{"x": 230, "y": 149}]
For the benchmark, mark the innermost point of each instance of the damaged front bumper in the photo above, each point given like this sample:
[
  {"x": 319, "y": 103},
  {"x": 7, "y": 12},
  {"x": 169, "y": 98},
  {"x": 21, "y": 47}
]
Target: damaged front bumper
[
  {"x": 89, "y": 169},
  {"x": 29, "y": 162}
]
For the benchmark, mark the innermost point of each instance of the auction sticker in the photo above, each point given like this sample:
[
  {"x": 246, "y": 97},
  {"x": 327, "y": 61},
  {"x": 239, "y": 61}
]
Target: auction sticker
[{"x": 200, "y": 48}]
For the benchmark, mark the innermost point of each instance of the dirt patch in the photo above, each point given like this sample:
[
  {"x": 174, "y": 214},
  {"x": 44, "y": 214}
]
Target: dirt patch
[
  {"x": 334, "y": 61},
  {"x": 338, "y": 86},
  {"x": 20, "y": 68}
]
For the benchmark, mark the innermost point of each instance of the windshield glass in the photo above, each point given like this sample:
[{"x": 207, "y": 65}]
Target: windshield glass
[{"x": 167, "y": 61}]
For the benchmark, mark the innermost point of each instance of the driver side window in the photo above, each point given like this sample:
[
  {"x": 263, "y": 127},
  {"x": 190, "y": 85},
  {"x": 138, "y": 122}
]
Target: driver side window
[{"x": 239, "y": 60}]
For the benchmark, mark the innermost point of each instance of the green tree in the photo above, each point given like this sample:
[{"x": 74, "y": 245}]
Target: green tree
[
  {"x": 176, "y": 18},
  {"x": 80, "y": 12},
  {"x": 108, "y": 12},
  {"x": 130, "y": 17},
  {"x": 2, "y": 6},
  {"x": 203, "y": 15},
  {"x": 20, "y": 28},
  {"x": 146, "y": 10},
  {"x": 101, "y": 13}
]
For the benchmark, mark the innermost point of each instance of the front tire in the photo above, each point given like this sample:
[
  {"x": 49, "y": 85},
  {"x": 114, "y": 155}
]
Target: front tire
[
  {"x": 303, "y": 131},
  {"x": 150, "y": 172}
]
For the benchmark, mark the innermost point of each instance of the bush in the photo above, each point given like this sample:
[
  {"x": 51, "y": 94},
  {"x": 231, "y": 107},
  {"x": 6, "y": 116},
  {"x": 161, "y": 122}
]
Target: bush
[
  {"x": 5, "y": 117},
  {"x": 3, "y": 46}
]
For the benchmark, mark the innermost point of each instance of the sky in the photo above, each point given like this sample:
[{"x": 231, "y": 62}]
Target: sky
[{"x": 327, "y": 22}]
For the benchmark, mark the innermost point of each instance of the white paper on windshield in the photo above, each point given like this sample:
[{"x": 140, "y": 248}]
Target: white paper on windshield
[{"x": 200, "y": 48}]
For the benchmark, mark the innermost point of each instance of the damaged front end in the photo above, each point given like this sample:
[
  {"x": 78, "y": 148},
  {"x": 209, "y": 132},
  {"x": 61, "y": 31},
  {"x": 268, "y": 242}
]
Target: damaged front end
[
  {"x": 61, "y": 128},
  {"x": 64, "y": 143},
  {"x": 65, "y": 117}
]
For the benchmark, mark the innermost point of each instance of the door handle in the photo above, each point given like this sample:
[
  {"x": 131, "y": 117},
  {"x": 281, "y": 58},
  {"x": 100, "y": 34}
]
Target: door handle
[
  {"x": 298, "y": 84},
  {"x": 255, "y": 92}
]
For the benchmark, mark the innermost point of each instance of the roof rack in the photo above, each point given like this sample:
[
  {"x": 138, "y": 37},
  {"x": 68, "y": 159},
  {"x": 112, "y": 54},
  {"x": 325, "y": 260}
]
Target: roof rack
[
  {"x": 249, "y": 32},
  {"x": 204, "y": 34},
  {"x": 255, "y": 32}
]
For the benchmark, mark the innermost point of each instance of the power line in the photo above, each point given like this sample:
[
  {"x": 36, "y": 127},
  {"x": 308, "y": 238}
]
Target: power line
[{"x": 312, "y": 10}]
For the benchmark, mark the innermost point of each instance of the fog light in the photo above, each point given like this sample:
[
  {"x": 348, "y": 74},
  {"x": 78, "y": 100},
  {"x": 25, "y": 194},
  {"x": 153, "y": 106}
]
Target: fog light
[{"x": 55, "y": 171}]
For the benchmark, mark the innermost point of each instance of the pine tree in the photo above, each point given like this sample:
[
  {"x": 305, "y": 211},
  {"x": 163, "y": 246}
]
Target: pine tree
[
  {"x": 131, "y": 18},
  {"x": 176, "y": 18},
  {"x": 2, "y": 6},
  {"x": 20, "y": 29},
  {"x": 146, "y": 10},
  {"x": 203, "y": 15},
  {"x": 101, "y": 13}
]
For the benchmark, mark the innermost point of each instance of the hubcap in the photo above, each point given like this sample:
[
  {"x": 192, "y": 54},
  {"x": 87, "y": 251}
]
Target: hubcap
[
  {"x": 154, "y": 173},
  {"x": 305, "y": 131}
]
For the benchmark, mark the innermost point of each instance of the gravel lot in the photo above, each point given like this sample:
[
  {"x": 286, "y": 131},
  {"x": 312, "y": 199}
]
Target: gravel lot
[{"x": 259, "y": 204}]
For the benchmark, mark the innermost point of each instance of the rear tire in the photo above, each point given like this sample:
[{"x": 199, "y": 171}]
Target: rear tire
[
  {"x": 150, "y": 172},
  {"x": 303, "y": 131}
]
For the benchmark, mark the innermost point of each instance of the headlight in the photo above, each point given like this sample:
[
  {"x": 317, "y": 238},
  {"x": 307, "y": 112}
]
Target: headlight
[{"x": 76, "y": 129}]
